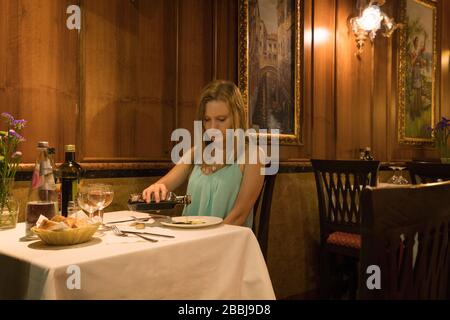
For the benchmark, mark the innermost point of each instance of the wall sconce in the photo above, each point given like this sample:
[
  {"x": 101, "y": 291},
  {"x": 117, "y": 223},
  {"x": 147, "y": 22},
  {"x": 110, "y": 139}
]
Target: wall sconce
[{"x": 370, "y": 20}]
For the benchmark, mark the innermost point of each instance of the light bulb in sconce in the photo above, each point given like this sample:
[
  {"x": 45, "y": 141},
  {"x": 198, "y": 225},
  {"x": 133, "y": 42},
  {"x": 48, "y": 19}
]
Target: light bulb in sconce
[
  {"x": 367, "y": 24},
  {"x": 370, "y": 19}
]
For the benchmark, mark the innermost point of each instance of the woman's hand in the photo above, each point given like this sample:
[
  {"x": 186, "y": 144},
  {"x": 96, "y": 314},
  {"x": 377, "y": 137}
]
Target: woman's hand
[{"x": 158, "y": 189}]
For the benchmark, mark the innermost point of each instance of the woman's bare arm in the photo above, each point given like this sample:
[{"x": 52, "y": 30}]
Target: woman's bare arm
[
  {"x": 172, "y": 180},
  {"x": 251, "y": 185}
]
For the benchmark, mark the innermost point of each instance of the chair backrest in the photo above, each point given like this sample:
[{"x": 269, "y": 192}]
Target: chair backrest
[
  {"x": 262, "y": 213},
  {"x": 428, "y": 172},
  {"x": 405, "y": 232},
  {"x": 339, "y": 184}
]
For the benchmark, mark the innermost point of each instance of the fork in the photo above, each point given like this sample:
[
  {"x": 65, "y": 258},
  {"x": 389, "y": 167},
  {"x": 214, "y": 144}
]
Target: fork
[{"x": 120, "y": 233}]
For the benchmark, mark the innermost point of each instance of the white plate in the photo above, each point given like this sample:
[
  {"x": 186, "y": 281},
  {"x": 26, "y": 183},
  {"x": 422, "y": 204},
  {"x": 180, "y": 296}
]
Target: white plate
[{"x": 199, "y": 222}]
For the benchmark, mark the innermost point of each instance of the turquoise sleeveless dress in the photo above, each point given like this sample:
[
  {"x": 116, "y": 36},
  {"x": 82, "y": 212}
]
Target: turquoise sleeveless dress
[{"x": 214, "y": 194}]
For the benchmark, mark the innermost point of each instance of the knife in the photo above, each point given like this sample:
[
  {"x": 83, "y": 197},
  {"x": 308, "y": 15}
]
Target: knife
[
  {"x": 120, "y": 221},
  {"x": 149, "y": 233},
  {"x": 130, "y": 220}
]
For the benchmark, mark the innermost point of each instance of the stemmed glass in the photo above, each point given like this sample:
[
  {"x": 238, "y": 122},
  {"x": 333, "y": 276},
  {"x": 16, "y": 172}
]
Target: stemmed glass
[
  {"x": 91, "y": 198},
  {"x": 397, "y": 177},
  {"x": 108, "y": 193}
]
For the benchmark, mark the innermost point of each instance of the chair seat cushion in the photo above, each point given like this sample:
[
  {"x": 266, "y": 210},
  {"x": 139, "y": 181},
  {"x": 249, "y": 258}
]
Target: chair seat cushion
[{"x": 345, "y": 239}]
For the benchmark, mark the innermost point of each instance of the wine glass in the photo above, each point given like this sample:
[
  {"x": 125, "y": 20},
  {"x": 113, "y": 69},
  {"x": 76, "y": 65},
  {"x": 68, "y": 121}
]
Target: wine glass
[
  {"x": 393, "y": 179},
  {"x": 108, "y": 193},
  {"x": 397, "y": 178},
  {"x": 401, "y": 180},
  {"x": 90, "y": 198}
]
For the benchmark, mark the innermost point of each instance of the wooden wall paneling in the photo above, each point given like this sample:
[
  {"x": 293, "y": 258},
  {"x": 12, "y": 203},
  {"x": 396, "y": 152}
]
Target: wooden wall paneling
[
  {"x": 354, "y": 80},
  {"x": 324, "y": 135},
  {"x": 147, "y": 61},
  {"x": 9, "y": 58},
  {"x": 157, "y": 59},
  {"x": 68, "y": 81},
  {"x": 108, "y": 68},
  {"x": 347, "y": 77},
  {"x": 46, "y": 72},
  {"x": 129, "y": 72},
  {"x": 195, "y": 60},
  {"x": 225, "y": 44},
  {"x": 381, "y": 84},
  {"x": 381, "y": 91}
]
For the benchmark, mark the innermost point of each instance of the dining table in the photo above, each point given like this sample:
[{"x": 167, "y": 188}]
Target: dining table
[{"x": 214, "y": 262}]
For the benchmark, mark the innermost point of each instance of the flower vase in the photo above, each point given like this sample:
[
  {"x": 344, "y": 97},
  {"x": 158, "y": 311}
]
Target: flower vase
[
  {"x": 9, "y": 206},
  {"x": 9, "y": 213}
]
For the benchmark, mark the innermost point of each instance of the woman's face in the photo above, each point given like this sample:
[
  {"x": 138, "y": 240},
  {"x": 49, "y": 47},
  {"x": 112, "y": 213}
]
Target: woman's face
[{"x": 218, "y": 116}]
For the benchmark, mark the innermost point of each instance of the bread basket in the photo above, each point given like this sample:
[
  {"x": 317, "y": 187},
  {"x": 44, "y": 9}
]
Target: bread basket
[{"x": 68, "y": 236}]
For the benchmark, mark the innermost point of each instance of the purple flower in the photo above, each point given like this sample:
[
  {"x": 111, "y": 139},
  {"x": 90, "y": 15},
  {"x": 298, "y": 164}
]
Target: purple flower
[
  {"x": 10, "y": 157},
  {"x": 19, "y": 124},
  {"x": 13, "y": 133},
  {"x": 8, "y": 117},
  {"x": 441, "y": 124},
  {"x": 446, "y": 121}
]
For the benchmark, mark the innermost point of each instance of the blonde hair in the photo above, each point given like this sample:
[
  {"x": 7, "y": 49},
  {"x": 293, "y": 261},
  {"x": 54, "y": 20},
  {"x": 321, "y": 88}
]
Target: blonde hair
[{"x": 226, "y": 91}]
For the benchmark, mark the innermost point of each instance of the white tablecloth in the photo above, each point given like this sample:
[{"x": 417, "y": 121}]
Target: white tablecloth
[{"x": 217, "y": 262}]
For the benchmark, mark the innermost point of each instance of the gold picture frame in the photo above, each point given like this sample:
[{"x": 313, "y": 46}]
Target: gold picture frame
[
  {"x": 259, "y": 68},
  {"x": 417, "y": 60}
]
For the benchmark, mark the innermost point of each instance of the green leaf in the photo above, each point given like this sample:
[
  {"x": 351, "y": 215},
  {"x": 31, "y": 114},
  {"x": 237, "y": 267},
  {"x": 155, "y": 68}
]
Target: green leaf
[
  {"x": 1, "y": 158},
  {"x": 3, "y": 133}
]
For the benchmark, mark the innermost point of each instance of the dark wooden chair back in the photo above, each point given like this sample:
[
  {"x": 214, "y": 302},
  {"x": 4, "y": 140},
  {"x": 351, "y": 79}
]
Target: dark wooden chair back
[
  {"x": 426, "y": 172},
  {"x": 339, "y": 184},
  {"x": 405, "y": 232},
  {"x": 261, "y": 212}
]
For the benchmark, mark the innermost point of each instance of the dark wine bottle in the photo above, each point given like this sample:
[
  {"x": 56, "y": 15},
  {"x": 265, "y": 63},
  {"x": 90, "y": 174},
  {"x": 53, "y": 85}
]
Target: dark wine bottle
[
  {"x": 137, "y": 203},
  {"x": 70, "y": 172},
  {"x": 368, "y": 155}
]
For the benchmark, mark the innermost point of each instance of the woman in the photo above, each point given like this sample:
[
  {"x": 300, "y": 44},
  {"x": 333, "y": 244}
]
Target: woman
[{"x": 226, "y": 191}]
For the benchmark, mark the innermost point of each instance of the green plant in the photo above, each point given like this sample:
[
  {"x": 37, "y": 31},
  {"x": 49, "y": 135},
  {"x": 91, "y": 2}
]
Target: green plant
[{"x": 10, "y": 157}]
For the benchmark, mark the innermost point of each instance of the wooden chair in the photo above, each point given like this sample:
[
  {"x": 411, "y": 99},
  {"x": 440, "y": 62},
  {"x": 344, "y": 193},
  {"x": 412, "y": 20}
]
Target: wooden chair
[
  {"x": 261, "y": 211},
  {"x": 339, "y": 184},
  {"x": 428, "y": 172},
  {"x": 406, "y": 233}
]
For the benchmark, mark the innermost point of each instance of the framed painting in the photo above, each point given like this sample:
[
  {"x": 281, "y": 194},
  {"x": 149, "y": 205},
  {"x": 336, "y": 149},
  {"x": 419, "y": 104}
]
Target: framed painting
[
  {"x": 417, "y": 71},
  {"x": 270, "y": 65}
]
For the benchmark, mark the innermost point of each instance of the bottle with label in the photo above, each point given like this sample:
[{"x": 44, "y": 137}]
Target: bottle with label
[
  {"x": 137, "y": 203},
  {"x": 362, "y": 153},
  {"x": 70, "y": 173},
  {"x": 51, "y": 155},
  {"x": 42, "y": 195},
  {"x": 367, "y": 154}
]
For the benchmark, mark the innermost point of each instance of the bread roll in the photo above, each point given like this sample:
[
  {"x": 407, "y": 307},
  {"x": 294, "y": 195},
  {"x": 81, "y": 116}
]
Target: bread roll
[
  {"x": 71, "y": 222},
  {"x": 49, "y": 225},
  {"x": 58, "y": 218},
  {"x": 81, "y": 223}
]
